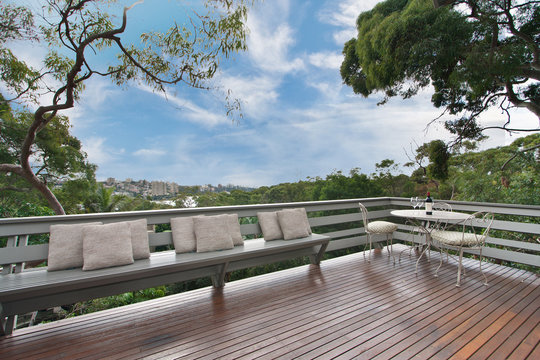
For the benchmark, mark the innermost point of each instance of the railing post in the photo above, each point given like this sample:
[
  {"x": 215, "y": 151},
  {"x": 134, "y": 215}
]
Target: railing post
[
  {"x": 7, "y": 324},
  {"x": 11, "y": 242},
  {"x": 23, "y": 241}
]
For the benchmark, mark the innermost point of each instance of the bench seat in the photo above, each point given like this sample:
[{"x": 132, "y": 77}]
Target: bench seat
[{"x": 36, "y": 289}]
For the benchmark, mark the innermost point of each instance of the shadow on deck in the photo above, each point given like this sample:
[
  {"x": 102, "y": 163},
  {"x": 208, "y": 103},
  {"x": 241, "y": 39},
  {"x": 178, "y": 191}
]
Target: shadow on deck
[{"x": 347, "y": 308}]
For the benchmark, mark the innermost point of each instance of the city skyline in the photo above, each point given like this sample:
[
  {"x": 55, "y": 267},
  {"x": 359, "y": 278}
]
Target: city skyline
[{"x": 158, "y": 188}]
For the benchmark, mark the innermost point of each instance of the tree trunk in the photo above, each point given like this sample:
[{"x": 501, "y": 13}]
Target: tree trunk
[
  {"x": 37, "y": 184},
  {"x": 47, "y": 193}
]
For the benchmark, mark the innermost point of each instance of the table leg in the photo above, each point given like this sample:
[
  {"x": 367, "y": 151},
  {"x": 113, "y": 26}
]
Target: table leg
[{"x": 428, "y": 247}]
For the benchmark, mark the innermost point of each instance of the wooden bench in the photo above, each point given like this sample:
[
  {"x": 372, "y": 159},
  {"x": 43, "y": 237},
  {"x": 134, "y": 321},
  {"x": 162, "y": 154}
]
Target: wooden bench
[{"x": 36, "y": 288}]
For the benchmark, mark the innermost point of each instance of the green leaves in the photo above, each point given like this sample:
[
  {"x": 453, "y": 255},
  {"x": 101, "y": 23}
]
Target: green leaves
[
  {"x": 474, "y": 61},
  {"x": 38, "y": 147},
  {"x": 189, "y": 54},
  {"x": 55, "y": 153}
]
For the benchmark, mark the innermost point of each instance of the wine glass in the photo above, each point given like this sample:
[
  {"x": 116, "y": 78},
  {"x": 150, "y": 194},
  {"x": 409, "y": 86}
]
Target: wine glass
[
  {"x": 420, "y": 203},
  {"x": 414, "y": 202}
]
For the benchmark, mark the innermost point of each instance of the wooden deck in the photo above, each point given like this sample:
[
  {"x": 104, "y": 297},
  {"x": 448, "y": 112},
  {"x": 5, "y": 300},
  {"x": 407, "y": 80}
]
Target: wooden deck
[{"x": 347, "y": 308}]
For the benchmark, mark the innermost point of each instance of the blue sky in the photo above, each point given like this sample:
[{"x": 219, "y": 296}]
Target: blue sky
[{"x": 299, "y": 119}]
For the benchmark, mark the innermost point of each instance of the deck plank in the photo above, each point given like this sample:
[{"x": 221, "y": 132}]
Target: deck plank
[{"x": 347, "y": 308}]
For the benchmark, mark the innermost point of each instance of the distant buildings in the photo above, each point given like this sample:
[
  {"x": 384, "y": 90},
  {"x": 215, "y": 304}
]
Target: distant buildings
[
  {"x": 143, "y": 187},
  {"x": 162, "y": 189}
]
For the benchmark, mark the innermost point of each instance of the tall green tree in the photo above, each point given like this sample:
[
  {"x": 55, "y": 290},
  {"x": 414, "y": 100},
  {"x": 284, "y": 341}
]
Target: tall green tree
[
  {"x": 391, "y": 183},
  {"x": 73, "y": 29},
  {"x": 56, "y": 157},
  {"x": 480, "y": 54}
]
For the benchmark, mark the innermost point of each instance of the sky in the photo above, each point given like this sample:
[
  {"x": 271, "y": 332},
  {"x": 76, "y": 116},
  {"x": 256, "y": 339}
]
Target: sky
[{"x": 299, "y": 120}]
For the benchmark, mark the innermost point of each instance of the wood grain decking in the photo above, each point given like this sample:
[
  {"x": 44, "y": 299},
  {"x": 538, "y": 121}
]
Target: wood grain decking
[{"x": 348, "y": 308}]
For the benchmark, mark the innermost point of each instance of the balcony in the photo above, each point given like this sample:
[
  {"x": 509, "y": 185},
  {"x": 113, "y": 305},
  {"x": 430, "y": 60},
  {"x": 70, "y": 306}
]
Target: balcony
[{"x": 346, "y": 308}]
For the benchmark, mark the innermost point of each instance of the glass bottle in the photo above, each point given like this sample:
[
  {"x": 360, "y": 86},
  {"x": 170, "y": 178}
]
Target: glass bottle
[{"x": 429, "y": 205}]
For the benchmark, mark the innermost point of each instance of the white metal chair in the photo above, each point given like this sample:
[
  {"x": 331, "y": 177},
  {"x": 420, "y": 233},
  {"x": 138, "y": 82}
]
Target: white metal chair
[
  {"x": 421, "y": 230},
  {"x": 473, "y": 236},
  {"x": 377, "y": 227}
]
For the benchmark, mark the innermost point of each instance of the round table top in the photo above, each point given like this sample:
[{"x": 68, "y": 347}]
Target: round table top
[{"x": 437, "y": 214}]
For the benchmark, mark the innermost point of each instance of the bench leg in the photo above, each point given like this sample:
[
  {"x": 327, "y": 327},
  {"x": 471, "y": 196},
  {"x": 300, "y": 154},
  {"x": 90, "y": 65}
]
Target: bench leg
[
  {"x": 218, "y": 280},
  {"x": 316, "y": 259}
]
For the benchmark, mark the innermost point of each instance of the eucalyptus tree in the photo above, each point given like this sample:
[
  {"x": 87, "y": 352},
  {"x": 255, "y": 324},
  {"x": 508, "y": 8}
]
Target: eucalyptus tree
[
  {"x": 56, "y": 157},
  {"x": 75, "y": 31},
  {"x": 476, "y": 54}
]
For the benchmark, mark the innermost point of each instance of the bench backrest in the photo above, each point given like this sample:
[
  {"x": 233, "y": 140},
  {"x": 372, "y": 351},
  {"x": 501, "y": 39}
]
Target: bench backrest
[
  {"x": 18, "y": 251},
  {"x": 338, "y": 219},
  {"x": 321, "y": 214}
]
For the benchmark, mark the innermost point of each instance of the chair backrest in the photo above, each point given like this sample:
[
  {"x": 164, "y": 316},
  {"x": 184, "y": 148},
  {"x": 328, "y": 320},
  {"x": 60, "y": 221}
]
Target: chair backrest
[
  {"x": 442, "y": 206},
  {"x": 479, "y": 219},
  {"x": 364, "y": 212}
]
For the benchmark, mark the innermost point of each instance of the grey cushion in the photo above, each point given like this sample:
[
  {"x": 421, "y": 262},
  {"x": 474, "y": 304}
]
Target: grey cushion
[
  {"x": 381, "y": 227},
  {"x": 234, "y": 229},
  {"x": 294, "y": 223},
  {"x": 458, "y": 238},
  {"x": 212, "y": 233},
  {"x": 269, "y": 223},
  {"x": 66, "y": 246},
  {"x": 139, "y": 238},
  {"x": 183, "y": 234},
  {"x": 106, "y": 245}
]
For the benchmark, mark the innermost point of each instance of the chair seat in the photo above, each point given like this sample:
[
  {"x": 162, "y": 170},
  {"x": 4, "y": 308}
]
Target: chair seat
[
  {"x": 381, "y": 227},
  {"x": 456, "y": 238}
]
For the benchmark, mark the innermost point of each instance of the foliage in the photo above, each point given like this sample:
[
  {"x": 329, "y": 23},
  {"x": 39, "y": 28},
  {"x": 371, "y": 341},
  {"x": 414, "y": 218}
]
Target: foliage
[
  {"x": 485, "y": 56},
  {"x": 339, "y": 186},
  {"x": 71, "y": 29},
  {"x": 56, "y": 156},
  {"x": 392, "y": 185},
  {"x": 17, "y": 207},
  {"x": 115, "y": 301},
  {"x": 478, "y": 175}
]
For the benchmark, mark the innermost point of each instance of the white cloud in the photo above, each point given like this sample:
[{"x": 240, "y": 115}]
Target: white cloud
[
  {"x": 269, "y": 40},
  {"x": 150, "y": 152},
  {"x": 98, "y": 93},
  {"x": 344, "y": 16},
  {"x": 192, "y": 112},
  {"x": 258, "y": 94},
  {"x": 331, "y": 91},
  {"x": 326, "y": 60},
  {"x": 99, "y": 152}
]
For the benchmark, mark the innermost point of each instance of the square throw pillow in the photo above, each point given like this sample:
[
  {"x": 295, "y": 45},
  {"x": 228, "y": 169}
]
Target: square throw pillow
[
  {"x": 139, "y": 238},
  {"x": 212, "y": 233},
  {"x": 106, "y": 245},
  {"x": 234, "y": 229},
  {"x": 183, "y": 234},
  {"x": 269, "y": 223},
  {"x": 305, "y": 218},
  {"x": 294, "y": 223},
  {"x": 66, "y": 246}
]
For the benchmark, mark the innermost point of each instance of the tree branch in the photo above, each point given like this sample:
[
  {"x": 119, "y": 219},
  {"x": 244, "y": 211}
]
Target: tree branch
[
  {"x": 529, "y": 105},
  {"x": 516, "y": 154}
]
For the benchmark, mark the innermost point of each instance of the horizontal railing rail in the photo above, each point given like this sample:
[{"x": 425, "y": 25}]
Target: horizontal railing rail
[{"x": 339, "y": 219}]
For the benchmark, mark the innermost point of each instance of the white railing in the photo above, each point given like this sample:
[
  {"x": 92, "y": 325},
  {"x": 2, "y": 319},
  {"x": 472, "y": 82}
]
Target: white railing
[{"x": 514, "y": 240}]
